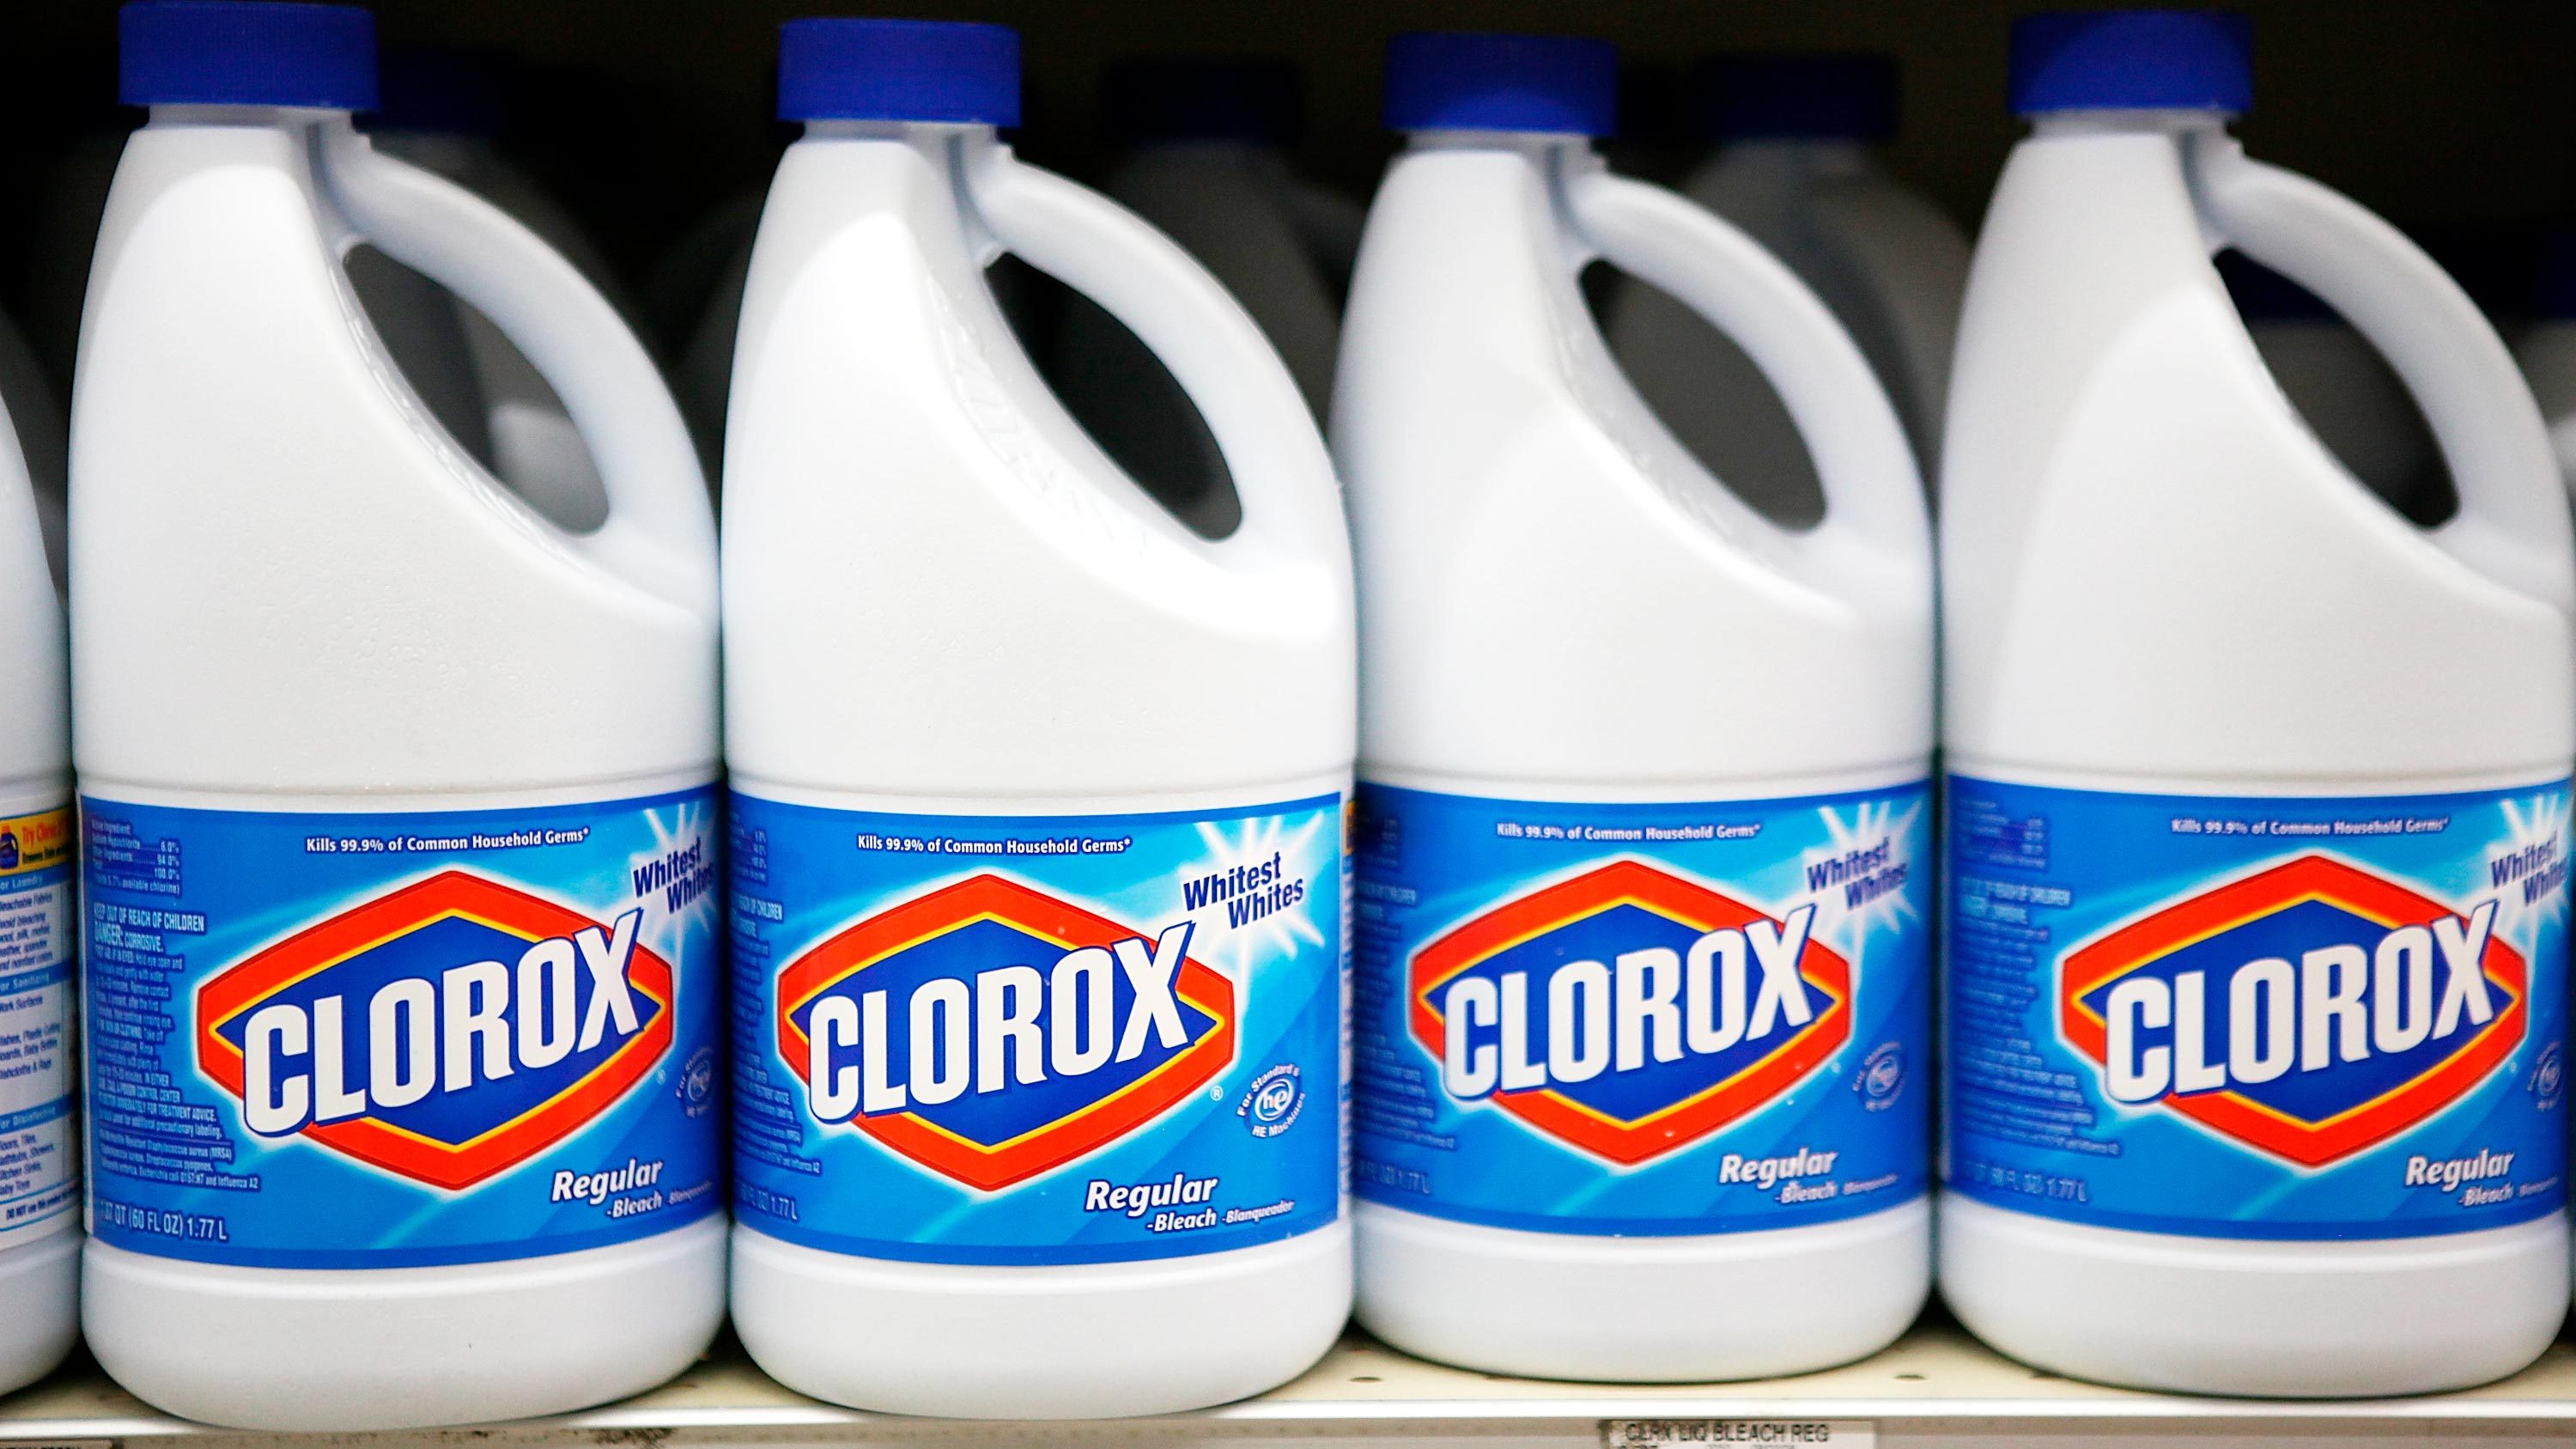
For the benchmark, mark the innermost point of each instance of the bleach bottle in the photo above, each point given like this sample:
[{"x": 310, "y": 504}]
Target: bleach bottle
[
  {"x": 2258, "y": 800},
  {"x": 40, "y": 1239},
  {"x": 1643, "y": 979},
  {"x": 1798, "y": 166},
  {"x": 1206, "y": 143},
  {"x": 400, "y": 855},
  {"x": 1038, "y": 795}
]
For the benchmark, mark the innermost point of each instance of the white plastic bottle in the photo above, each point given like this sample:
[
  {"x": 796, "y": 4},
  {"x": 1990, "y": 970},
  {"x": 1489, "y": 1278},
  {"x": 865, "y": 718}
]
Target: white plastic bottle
[
  {"x": 2257, "y": 792},
  {"x": 1038, "y": 796},
  {"x": 2336, "y": 381},
  {"x": 401, "y": 885},
  {"x": 442, "y": 109},
  {"x": 40, "y": 1236},
  {"x": 1206, "y": 141},
  {"x": 1644, "y": 866},
  {"x": 1798, "y": 167}
]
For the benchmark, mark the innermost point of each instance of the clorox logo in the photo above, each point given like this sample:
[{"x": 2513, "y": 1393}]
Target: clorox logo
[
  {"x": 445, "y": 1032},
  {"x": 1629, "y": 1012},
  {"x": 2314, "y": 1010},
  {"x": 990, "y": 1032}
]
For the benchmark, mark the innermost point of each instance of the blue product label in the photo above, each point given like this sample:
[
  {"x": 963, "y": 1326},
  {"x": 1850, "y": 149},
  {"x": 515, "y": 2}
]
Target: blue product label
[
  {"x": 385, "y": 1040},
  {"x": 39, "y": 1142},
  {"x": 1642, "y": 1018},
  {"x": 1037, "y": 1039},
  {"x": 2258, "y": 1017}
]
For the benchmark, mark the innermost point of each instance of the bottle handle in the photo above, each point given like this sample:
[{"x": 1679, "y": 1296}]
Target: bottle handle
[
  {"x": 1232, "y": 375},
  {"x": 2512, "y": 523},
  {"x": 1873, "y": 491},
  {"x": 660, "y": 532}
]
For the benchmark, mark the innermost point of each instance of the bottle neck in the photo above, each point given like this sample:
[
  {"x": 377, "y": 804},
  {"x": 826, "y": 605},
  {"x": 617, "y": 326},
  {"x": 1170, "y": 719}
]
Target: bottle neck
[
  {"x": 920, "y": 135},
  {"x": 944, "y": 153},
  {"x": 2158, "y": 122},
  {"x": 1537, "y": 145},
  {"x": 945, "y": 147},
  {"x": 268, "y": 117}
]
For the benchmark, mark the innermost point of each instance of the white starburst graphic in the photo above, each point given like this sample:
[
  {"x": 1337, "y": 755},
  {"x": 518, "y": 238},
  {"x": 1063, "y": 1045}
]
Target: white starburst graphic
[
  {"x": 2538, "y": 826},
  {"x": 1272, "y": 934},
  {"x": 675, "y": 829},
  {"x": 1839, "y": 921}
]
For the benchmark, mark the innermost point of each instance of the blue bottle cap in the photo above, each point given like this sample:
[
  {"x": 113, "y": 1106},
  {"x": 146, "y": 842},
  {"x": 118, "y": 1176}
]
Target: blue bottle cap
[
  {"x": 1248, "y": 98},
  {"x": 245, "y": 53},
  {"x": 445, "y": 90},
  {"x": 899, "y": 70},
  {"x": 1817, "y": 96},
  {"x": 2132, "y": 60},
  {"x": 1481, "y": 81}
]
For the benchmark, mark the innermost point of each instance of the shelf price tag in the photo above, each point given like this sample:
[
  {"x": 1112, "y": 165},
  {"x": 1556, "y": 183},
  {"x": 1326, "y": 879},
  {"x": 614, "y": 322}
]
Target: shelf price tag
[{"x": 1739, "y": 1433}]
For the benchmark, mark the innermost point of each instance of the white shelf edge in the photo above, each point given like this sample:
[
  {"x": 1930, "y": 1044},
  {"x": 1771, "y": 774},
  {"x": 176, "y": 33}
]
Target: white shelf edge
[{"x": 1362, "y": 1383}]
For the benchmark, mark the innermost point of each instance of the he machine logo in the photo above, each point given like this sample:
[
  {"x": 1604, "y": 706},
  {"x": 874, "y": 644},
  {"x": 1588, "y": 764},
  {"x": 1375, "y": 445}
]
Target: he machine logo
[
  {"x": 1629, "y": 1012},
  {"x": 444, "y": 1032},
  {"x": 990, "y": 1032},
  {"x": 2312, "y": 1010}
]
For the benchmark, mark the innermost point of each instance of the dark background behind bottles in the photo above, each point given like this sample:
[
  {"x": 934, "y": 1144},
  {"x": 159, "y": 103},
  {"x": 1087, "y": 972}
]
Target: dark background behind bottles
[{"x": 643, "y": 115}]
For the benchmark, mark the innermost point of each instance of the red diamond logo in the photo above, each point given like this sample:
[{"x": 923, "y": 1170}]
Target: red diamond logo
[
  {"x": 464, "y": 1132},
  {"x": 2308, "y": 1117},
  {"x": 952, "y": 936},
  {"x": 1633, "y": 1116}
]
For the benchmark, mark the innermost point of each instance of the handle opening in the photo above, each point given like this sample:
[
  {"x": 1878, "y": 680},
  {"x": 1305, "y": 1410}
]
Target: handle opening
[
  {"x": 2512, "y": 520},
  {"x": 1709, "y": 394},
  {"x": 659, "y": 533},
  {"x": 1875, "y": 526},
  {"x": 1289, "y": 505},
  {"x": 1123, "y": 397},
  {"x": 2342, "y": 387}
]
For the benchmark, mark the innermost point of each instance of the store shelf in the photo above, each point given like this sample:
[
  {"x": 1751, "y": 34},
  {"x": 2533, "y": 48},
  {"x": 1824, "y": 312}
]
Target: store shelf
[{"x": 1935, "y": 1389}]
